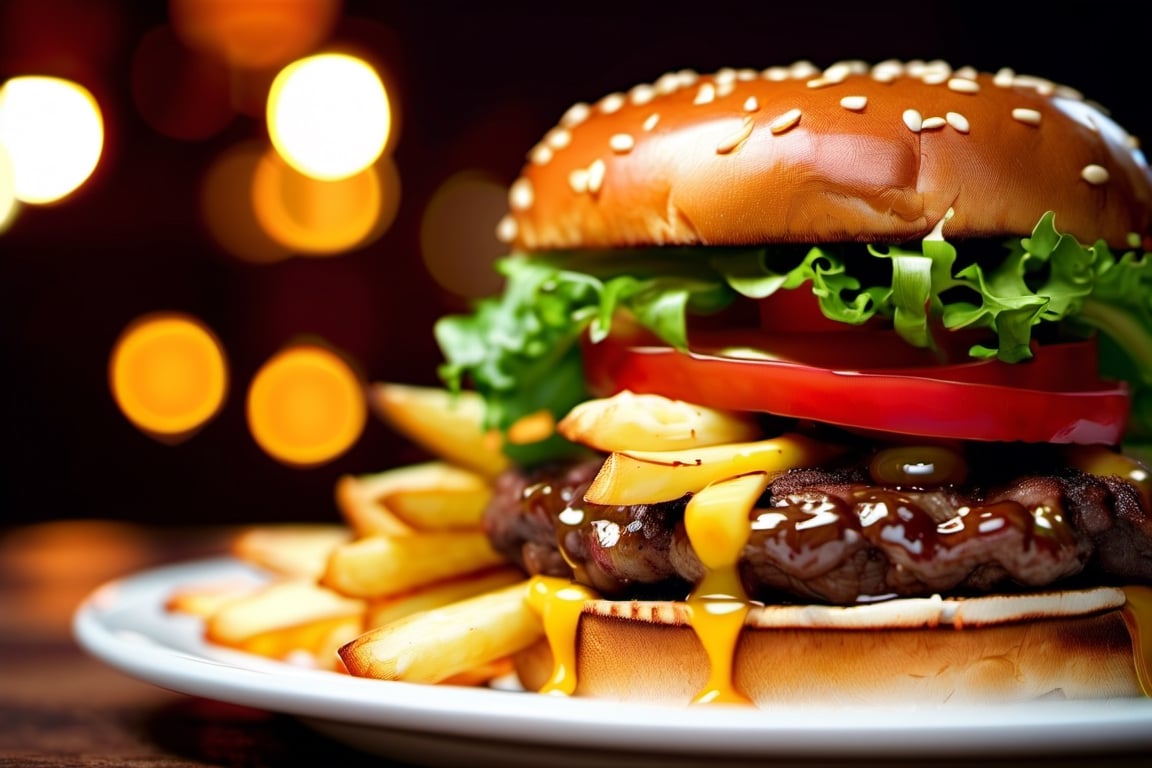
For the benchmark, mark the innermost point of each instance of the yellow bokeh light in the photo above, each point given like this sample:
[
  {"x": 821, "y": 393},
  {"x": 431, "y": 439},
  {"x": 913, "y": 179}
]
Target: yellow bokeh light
[
  {"x": 226, "y": 203},
  {"x": 8, "y": 202},
  {"x": 306, "y": 405},
  {"x": 168, "y": 374},
  {"x": 328, "y": 115},
  {"x": 54, "y": 133},
  {"x": 317, "y": 217}
]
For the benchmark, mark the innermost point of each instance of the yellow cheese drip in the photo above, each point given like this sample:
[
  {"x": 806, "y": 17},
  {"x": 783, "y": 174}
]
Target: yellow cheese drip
[
  {"x": 717, "y": 522},
  {"x": 1138, "y": 616},
  {"x": 559, "y": 604}
]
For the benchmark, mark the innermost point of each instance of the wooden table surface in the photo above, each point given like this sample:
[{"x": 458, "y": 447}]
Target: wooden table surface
[{"x": 60, "y": 707}]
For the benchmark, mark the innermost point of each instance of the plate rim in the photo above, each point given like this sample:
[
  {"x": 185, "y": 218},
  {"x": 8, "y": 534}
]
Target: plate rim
[{"x": 124, "y": 624}]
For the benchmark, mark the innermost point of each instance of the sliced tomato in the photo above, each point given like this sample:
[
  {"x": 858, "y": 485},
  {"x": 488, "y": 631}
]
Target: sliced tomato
[{"x": 1056, "y": 397}]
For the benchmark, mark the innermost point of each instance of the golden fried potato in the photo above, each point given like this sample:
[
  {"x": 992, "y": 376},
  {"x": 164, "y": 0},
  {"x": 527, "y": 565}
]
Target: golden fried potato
[
  {"x": 381, "y": 565},
  {"x": 435, "y": 645}
]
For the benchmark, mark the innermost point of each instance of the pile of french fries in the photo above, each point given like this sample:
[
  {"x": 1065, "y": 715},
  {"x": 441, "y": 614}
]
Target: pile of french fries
[
  {"x": 409, "y": 544},
  {"x": 407, "y": 586}
]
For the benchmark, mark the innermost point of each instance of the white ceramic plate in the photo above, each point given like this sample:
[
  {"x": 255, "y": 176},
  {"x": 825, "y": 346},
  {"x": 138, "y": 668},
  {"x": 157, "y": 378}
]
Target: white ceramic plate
[{"x": 124, "y": 623}]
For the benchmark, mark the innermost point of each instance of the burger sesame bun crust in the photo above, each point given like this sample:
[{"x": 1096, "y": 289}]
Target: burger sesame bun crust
[
  {"x": 1072, "y": 645},
  {"x": 849, "y": 153}
]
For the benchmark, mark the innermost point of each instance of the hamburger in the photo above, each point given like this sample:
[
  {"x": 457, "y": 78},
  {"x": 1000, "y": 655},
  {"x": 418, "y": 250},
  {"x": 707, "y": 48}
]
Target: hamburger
[{"x": 841, "y": 364}]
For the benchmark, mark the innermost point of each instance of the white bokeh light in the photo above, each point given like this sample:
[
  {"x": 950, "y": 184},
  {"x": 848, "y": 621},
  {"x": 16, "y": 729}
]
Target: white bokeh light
[
  {"x": 53, "y": 132},
  {"x": 329, "y": 116}
]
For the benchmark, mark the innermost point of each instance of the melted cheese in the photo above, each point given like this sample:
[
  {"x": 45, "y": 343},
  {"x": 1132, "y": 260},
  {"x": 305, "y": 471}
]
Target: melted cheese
[
  {"x": 717, "y": 521},
  {"x": 559, "y": 604}
]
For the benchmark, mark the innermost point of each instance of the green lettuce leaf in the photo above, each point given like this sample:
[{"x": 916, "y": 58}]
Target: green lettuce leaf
[{"x": 521, "y": 350}]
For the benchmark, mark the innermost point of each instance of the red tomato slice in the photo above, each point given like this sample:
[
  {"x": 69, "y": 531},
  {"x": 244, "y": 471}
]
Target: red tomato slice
[{"x": 1056, "y": 397}]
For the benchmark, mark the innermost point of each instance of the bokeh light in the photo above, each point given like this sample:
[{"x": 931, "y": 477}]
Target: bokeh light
[
  {"x": 329, "y": 115},
  {"x": 226, "y": 204},
  {"x": 319, "y": 217},
  {"x": 168, "y": 374},
  {"x": 54, "y": 133},
  {"x": 180, "y": 92},
  {"x": 306, "y": 405},
  {"x": 8, "y": 202},
  {"x": 458, "y": 234},
  {"x": 254, "y": 34}
]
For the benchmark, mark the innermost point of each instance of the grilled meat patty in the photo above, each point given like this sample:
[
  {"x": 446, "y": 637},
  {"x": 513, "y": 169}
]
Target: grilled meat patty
[{"x": 836, "y": 537}]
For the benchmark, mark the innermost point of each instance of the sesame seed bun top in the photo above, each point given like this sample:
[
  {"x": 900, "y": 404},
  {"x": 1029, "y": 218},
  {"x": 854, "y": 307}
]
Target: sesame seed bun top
[{"x": 849, "y": 153}]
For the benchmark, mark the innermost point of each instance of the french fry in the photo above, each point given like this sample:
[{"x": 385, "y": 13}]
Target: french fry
[
  {"x": 645, "y": 477},
  {"x": 387, "y": 609},
  {"x": 433, "y": 646},
  {"x": 359, "y": 503},
  {"x": 292, "y": 549},
  {"x": 380, "y": 565},
  {"x": 312, "y": 644},
  {"x": 448, "y": 424},
  {"x": 278, "y": 607},
  {"x": 422, "y": 497},
  {"x": 203, "y": 600}
]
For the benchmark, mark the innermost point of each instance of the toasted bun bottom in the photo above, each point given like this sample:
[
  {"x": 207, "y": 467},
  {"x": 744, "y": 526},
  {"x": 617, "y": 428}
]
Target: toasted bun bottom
[{"x": 930, "y": 653}]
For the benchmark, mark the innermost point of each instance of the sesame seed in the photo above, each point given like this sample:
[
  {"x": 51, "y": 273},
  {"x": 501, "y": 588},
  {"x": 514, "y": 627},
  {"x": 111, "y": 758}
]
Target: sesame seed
[
  {"x": 642, "y": 94},
  {"x": 558, "y": 138},
  {"x": 578, "y": 180},
  {"x": 1026, "y": 116},
  {"x": 785, "y": 121},
  {"x": 839, "y": 71},
  {"x": 611, "y": 103},
  {"x": 688, "y": 77},
  {"x": 1094, "y": 174},
  {"x": 821, "y": 82},
  {"x": 521, "y": 195},
  {"x": 932, "y": 123},
  {"x": 575, "y": 115},
  {"x": 651, "y": 120},
  {"x": 746, "y": 75},
  {"x": 507, "y": 229},
  {"x": 854, "y": 103},
  {"x": 968, "y": 73},
  {"x": 1042, "y": 86},
  {"x": 726, "y": 75},
  {"x": 1004, "y": 78},
  {"x": 960, "y": 85},
  {"x": 802, "y": 70},
  {"x": 725, "y": 87},
  {"x": 596, "y": 173},
  {"x": 776, "y": 74},
  {"x": 887, "y": 71},
  {"x": 913, "y": 120},
  {"x": 541, "y": 154},
  {"x": 706, "y": 94},
  {"x": 736, "y": 138},
  {"x": 958, "y": 122},
  {"x": 751, "y": 104},
  {"x": 621, "y": 142},
  {"x": 933, "y": 72},
  {"x": 669, "y": 82}
]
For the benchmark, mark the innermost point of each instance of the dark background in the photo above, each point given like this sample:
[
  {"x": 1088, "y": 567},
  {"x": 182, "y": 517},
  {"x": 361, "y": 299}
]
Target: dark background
[{"x": 474, "y": 90}]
